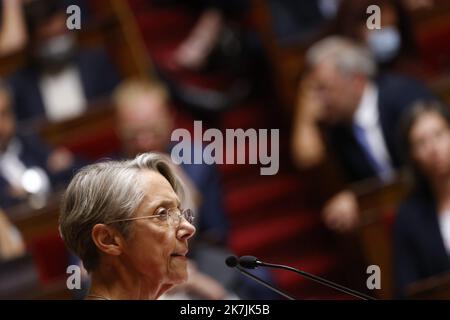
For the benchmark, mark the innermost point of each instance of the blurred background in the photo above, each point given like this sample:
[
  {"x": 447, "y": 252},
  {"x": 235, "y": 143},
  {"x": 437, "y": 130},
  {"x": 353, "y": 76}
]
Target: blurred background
[{"x": 138, "y": 69}]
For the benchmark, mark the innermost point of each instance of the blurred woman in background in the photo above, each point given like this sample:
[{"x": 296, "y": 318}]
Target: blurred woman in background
[{"x": 422, "y": 227}]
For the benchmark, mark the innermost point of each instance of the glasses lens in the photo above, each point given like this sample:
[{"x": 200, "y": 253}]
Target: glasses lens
[
  {"x": 176, "y": 215},
  {"x": 188, "y": 214}
]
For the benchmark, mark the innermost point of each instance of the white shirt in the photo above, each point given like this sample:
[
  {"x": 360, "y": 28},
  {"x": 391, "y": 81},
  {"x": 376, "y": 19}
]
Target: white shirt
[
  {"x": 11, "y": 167},
  {"x": 367, "y": 117},
  {"x": 444, "y": 226},
  {"x": 63, "y": 94},
  {"x": 15, "y": 172}
]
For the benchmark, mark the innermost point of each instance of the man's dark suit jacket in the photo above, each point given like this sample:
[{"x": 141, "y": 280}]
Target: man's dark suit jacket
[
  {"x": 419, "y": 250},
  {"x": 98, "y": 77},
  {"x": 396, "y": 94}
]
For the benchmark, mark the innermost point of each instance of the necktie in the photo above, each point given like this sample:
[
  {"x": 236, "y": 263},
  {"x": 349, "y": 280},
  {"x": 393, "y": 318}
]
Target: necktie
[{"x": 382, "y": 169}]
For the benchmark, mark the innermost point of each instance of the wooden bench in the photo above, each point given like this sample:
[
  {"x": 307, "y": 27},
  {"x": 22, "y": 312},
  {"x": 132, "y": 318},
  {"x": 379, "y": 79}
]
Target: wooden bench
[
  {"x": 378, "y": 204},
  {"x": 435, "y": 288}
]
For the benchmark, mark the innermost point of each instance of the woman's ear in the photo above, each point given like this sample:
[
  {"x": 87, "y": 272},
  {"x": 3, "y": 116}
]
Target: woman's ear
[{"x": 107, "y": 239}]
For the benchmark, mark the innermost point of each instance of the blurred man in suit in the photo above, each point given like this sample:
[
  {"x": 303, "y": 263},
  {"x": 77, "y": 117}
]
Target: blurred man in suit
[
  {"x": 359, "y": 111},
  {"x": 59, "y": 79}
]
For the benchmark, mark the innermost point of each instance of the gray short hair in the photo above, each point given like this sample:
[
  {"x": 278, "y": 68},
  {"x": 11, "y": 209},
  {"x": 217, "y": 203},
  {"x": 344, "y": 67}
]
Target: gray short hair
[
  {"x": 347, "y": 55},
  {"x": 103, "y": 192}
]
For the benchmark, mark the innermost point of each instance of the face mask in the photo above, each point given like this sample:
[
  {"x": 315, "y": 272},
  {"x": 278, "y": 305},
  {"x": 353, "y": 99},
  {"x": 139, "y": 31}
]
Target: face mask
[
  {"x": 384, "y": 43},
  {"x": 57, "y": 51}
]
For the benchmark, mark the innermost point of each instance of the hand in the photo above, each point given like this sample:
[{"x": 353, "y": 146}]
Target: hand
[
  {"x": 11, "y": 243},
  {"x": 308, "y": 147},
  {"x": 191, "y": 54},
  {"x": 17, "y": 192},
  {"x": 341, "y": 212},
  {"x": 194, "y": 51},
  {"x": 309, "y": 103},
  {"x": 60, "y": 159}
]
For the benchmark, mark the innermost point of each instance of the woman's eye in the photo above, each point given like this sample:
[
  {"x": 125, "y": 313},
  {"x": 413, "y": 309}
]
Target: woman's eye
[{"x": 162, "y": 213}]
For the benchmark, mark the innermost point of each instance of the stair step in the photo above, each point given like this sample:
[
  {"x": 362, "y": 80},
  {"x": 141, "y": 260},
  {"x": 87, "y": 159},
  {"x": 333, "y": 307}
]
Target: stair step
[
  {"x": 262, "y": 234},
  {"x": 260, "y": 192},
  {"x": 247, "y": 115}
]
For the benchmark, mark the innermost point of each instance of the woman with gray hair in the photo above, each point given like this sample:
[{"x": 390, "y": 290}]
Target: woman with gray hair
[{"x": 124, "y": 220}]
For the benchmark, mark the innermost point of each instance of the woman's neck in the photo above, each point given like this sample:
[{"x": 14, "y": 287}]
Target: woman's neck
[{"x": 118, "y": 283}]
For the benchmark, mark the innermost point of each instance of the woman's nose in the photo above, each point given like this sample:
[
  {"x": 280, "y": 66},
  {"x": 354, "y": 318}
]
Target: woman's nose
[{"x": 185, "y": 230}]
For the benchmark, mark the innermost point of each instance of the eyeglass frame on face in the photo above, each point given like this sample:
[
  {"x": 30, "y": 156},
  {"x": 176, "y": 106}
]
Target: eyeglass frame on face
[{"x": 187, "y": 214}]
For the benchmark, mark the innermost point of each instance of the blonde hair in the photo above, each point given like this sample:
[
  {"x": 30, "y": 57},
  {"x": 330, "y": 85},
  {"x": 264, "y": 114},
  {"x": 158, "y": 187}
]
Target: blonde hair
[{"x": 131, "y": 89}]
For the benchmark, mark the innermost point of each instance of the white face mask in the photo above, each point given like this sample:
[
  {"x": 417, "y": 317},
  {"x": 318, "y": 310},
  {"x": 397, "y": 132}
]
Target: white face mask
[
  {"x": 57, "y": 50},
  {"x": 385, "y": 43}
]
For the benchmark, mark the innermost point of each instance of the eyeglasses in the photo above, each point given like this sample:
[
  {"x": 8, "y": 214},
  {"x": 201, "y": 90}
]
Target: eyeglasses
[{"x": 173, "y": 216}]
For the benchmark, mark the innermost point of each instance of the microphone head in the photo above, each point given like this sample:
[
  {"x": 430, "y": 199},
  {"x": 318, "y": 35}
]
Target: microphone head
[
  {"x": 231, "y": 261},
  {"x": 248, "y": 262}
]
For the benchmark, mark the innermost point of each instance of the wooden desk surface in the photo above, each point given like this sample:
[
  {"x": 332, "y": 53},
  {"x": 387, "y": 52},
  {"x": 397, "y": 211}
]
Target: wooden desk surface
[
  {"x": 436, "y": 287},
  {"x": 35, "y": 222}
]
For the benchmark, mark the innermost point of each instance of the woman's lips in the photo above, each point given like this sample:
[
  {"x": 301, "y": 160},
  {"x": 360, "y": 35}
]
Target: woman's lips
[{"x": 178, "y": 256}]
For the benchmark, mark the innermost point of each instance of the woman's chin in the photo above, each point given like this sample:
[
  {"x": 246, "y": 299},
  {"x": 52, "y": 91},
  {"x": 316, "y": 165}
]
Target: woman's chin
[{"x": 179, "y": 277}]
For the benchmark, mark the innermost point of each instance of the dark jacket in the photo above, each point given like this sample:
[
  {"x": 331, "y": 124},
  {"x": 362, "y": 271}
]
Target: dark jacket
[
  {"x": 98, "y": 77},
  {"x": 396, "y": 94},
  {"x": 419, "y": 250}
]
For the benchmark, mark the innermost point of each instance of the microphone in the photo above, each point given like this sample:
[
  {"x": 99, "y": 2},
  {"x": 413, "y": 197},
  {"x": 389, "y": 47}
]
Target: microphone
[
  {"x": 250, "y": 262},
  {"x": 233, "y": 262}
]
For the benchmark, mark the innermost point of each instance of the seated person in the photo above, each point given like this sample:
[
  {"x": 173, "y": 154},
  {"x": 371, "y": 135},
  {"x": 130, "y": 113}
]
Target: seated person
[
  {"x": 205, "y": 59},
  {"x": 422, "y": 227},
  {"x": 11, "y": 242},
  {"x": 392, "y": 45},
  {"x": 145, "y": 123},
  {"x": 358, "y": 111},
  {"x": 28, "y": 169},
  {"x": 59, "y": 79}
]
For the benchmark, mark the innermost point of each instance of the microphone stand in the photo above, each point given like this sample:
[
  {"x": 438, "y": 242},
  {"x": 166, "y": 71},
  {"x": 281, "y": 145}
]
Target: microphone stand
[
  {"x": 264, "y": 283},
  {"x": 318, "y": 279}
]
